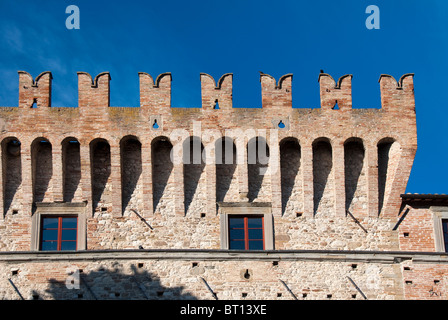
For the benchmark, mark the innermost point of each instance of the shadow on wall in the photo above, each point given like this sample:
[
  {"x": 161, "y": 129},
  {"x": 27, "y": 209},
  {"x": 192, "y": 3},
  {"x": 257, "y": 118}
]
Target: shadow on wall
[
  {"x": 71, "y": 161},
  {"x": 257, "y": 164},
  {"x": 388, "y": 157},
  {"x": 225, "y": 168},
  {"x": 12, "y": 171},
  {"x": 194, "y": 167},
  {"x": 113, "y": 284},
  {"x": 100, "y": 172},
  {"x": 162, "y": 168},
  {"x": 353, "y": 167},
  {"x": 290, "y": 158},
  {"x": 42, "y": 168},
  {"x": 131, "y": 170},
  {"x": 322, "y": 180}
]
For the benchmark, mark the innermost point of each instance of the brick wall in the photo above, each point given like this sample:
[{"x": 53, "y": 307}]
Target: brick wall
[{"x": 417, "y": 231}]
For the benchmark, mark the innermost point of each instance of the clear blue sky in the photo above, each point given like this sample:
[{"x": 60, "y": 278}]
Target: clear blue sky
[{"x": 242, "y": 37}]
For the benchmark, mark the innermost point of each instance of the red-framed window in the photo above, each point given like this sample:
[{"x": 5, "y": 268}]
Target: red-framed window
[
  {"x": 246, "y": 232},
  {"x": 58, "y": 233}
]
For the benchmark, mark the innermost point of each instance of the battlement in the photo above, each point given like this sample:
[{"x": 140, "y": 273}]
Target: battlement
[{"x": 155, "y": 95}]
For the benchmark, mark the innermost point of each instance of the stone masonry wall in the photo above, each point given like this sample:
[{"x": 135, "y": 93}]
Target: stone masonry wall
[{"x": 308, "y": 277}]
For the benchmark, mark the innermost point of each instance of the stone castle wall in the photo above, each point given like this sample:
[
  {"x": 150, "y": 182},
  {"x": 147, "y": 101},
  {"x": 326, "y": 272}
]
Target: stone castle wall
[{"x": 332, "y": 181}]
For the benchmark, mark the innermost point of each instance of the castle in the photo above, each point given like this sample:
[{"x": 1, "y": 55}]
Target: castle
[{"x": 217, "y": 202}]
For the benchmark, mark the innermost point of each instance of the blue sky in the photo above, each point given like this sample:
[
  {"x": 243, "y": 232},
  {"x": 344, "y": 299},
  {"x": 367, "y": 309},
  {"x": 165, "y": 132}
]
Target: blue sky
[{"x": 242, "y": 37}]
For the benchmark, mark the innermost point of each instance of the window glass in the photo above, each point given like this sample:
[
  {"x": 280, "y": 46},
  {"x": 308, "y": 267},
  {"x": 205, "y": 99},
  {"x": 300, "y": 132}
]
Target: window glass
[
  {"x": 237, "y": 234},
  {"x": 49, "y": 245},
  {"x": 254, "y": 222},
  {"x": 236, "y": 223},
  {"x": 237, "y": 245},
  {"x": 68, "y": 234},
  {"x": 255, "y": 234},
  {"x": 246, "y": 233},
  {"x": 68, "y": 245},
  {"x": 51, "y": 234},
  {"x": 255, "y": 245},
  {"x": 50, "y": 223},
  {"x": 69, "y": 223},
  {"x": 58, "y": 233}
]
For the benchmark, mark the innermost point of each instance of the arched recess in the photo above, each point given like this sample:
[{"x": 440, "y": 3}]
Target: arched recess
[
  {"x": 323, "y": 177},
  {"x": 226, "y": 170},
  {"x": 12, "y": 174},
  {"x": 257, "y": 165},
  {"x": 100, "y": 160},
  {"x": 42, "y": 169},
  {"x": 131, "y": 171},
  {"x": 162, "y": 176},
  {"x": 194, "y": 175},
  {"x": 355, "y": 177},
  {"x": 71, "y": 169},
  {"x": 291, "y": 177},
  {"x": 389, "y": 152}
]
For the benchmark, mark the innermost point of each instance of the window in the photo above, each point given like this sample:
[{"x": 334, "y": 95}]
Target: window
[
  {"x": 59, "y": 226},
  {"x": 246, "y": 225},
  {"x": 59, "y": 233},
  {"x": 440, "y": 220},
  {"x": 246, "y": 233},
  {"x": 445, "y": 233}
]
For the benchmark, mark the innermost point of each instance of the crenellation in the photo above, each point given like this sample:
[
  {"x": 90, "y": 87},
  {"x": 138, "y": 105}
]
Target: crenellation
[
  {"x": 155, "y": 96},
  {"x": 216, "y": 96},
  {"x": 35, "y": 92},
  {"x": 276, "y": 94},
  {"x": 93, "y": 93},
  {"x": 335, "y": 95},
  {"x": 397, "y": 96}
]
